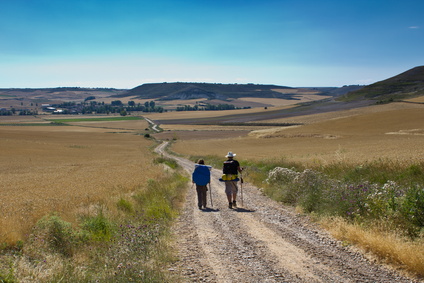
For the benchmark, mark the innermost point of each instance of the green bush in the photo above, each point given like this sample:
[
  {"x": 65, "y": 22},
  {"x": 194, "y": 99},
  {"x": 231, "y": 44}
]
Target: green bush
[
  {"x": 99, "y": 227},
  {"x": 125, "y": 205}
]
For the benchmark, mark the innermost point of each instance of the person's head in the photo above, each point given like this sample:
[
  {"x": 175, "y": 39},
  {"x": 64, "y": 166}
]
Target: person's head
[
  {"x": 230, "y": 155},
  {"x": 201, "y": 161}
]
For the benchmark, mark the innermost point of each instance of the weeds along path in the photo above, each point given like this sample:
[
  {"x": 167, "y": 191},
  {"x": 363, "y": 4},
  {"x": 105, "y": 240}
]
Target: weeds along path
[{"x": 261, "y": 241}]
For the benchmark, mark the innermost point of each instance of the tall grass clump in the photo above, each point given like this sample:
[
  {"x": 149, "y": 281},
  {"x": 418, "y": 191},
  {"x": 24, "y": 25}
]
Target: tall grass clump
[
  {"x": 98, "y": 226},
  {"x": 141, "y": 248},
  {"x": 172, "y": 163},
  {"x": 53, "y": 235}
]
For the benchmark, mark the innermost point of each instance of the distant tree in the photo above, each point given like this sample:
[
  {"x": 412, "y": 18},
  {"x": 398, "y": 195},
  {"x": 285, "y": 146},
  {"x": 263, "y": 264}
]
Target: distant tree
[
  {"x": 131, "y": 103},
  {"x": 152, "y": 104},
  {"x": 90, "y": 98},
  {"x": 116, "y": 103},
  {"x": 123, "y": 113}
]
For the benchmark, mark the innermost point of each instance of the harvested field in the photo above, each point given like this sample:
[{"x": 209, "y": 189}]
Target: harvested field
[
  {"x": 320, "y": 117},
  {"x": 284, "y": 102},
  {"x": 204, "y": 114},
  {"x": 357, "y": 138},
  {"x": 66, "y": 169},
  {"x": 200, "y": 135},
  {"x": 136, "y": 125}
]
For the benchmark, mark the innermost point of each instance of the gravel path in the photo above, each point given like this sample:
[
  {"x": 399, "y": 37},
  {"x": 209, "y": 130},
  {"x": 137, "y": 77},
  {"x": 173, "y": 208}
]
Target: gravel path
[{"x": 261, "y": 241}]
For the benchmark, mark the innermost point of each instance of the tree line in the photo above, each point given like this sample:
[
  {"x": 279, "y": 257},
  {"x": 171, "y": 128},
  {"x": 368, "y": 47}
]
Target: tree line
[{"x": 209, "y": 107}]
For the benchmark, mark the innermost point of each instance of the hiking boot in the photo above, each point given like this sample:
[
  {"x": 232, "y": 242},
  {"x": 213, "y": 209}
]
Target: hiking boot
[
  {"x": 234, "y": 204},
  {"x": 200, "y": 207},
  {"x": 230, "y": 205}
]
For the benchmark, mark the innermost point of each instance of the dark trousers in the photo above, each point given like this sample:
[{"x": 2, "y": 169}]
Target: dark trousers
[{"x": 201, "y": 195}]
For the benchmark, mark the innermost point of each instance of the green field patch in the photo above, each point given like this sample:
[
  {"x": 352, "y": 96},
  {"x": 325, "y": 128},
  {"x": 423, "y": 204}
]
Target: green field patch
[
  {"x": 32, "y": 124},
  {"x": 105, "y": 119}
]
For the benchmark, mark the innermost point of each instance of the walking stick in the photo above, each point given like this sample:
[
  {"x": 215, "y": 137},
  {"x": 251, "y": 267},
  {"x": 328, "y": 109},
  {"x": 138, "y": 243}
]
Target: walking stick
[
  {"x": 241, "y": 187},
  {"x": 210, "y": 192}
]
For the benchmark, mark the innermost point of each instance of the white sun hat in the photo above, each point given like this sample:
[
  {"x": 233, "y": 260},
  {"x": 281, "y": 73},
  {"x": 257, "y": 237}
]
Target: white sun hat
[{"x": 230, "y": 154}]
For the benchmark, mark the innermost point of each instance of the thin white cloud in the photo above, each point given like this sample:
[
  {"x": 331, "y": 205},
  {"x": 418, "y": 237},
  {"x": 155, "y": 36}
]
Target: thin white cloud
[{"x": 414, "y": 27}]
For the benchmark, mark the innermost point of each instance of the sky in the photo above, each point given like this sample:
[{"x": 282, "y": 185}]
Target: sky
[{"x": 126, "y": 43}]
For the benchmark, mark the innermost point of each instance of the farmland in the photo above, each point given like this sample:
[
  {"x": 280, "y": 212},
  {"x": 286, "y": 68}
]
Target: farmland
[
  {"x": 393, "y": 131},
  {"x": 66, "y": 169},
  {"x": 74, "y": 165}
]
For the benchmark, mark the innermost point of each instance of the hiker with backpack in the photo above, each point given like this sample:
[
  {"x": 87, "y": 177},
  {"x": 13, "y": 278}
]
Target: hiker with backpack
[
  {"x": 231, "y": 168},
  {"x": 201, "y": 177}
]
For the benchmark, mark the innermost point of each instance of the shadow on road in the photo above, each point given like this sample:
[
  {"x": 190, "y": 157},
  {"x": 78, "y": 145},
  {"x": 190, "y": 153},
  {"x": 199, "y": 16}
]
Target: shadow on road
[
  {"x": 208, "y": 209},
  {"x": 239, "y": 209}
]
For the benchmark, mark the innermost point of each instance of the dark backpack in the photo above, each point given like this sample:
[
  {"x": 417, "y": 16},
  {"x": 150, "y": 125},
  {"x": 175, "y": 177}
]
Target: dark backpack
[{"x": 230, "y": 167}]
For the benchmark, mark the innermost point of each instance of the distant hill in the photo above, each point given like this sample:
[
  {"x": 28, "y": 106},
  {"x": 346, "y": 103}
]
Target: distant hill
[
  {"x": 405, "y": 85},
  {"x": 180, "y": 90}
]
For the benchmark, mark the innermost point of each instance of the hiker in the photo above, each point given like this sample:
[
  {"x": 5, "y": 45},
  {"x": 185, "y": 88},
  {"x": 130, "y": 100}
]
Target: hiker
[
  {"x": 231, "y": 169},
  {"x": 201, "y": 177}
]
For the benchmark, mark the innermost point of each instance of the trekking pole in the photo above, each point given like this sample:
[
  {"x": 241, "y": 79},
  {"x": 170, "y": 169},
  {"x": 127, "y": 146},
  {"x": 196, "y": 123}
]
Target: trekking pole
[
  {"x": 210, "y": 192},
  {"x": 241, "y": 187}
]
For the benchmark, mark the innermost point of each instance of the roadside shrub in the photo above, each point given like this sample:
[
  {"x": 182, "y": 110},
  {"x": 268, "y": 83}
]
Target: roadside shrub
[
  {"x": 412, "y": 208},
  {"x": 53, "y": 235},
  {"x": 305, "y": 188},
  {"x": 158, "y": 200},
  {"x": 284, "y": 188},
  {"x": 125, "y": 205},
  {"x": 172, "y": 163},
  {"x": 99, "y": 227},
  {"x": 397, "y": 207},
  {"x": 311, "y": 186}
]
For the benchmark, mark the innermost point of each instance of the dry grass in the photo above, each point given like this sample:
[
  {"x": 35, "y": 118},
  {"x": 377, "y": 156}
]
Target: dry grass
[
  {"x": 417, "y": 99},
  {"x": 65, "y": 169},
  {"x": 395, "y": 250}
]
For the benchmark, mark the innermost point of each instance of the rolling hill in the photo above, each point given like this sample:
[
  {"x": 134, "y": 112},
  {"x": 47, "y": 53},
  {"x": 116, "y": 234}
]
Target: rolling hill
[
  {"x": 405, "y": 85},
  {"x": 180, "y": 90}
]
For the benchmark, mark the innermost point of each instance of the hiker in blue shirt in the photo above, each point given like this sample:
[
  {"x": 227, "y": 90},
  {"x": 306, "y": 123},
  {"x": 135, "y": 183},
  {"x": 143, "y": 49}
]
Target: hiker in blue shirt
[
  {"x": 201, "y": 177},
  {"x": 231, "y": 169}
]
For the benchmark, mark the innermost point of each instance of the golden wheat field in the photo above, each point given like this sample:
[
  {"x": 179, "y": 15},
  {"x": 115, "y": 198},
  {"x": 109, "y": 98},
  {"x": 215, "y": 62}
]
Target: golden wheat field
[
  {"x": 67, "y": 169},
  {"x": 394, "y": 131}
]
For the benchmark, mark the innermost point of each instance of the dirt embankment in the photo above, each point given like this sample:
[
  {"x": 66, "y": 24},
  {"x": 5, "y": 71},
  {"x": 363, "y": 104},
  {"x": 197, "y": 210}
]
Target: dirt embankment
[{"x": 261, "y": 241}]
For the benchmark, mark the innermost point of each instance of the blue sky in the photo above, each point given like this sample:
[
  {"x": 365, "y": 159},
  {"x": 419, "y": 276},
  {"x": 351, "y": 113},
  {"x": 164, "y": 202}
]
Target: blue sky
[{"x": 125, "y": 43}]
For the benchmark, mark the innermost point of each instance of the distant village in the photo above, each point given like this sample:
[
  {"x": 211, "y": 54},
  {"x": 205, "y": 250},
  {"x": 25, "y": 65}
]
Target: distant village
[{"x": 87, "y": 107}]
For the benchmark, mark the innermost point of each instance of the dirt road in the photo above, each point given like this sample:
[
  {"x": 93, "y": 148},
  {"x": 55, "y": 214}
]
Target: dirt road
[{"x": 261, "y": 241}]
